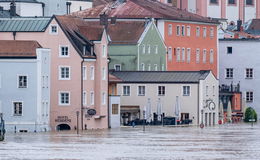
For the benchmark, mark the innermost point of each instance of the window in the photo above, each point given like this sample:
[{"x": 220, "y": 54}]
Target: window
[
  {"x": 64, "y": 73},
  {"x": 214, "y": 1},
  {"x": 188, "y": 30},
  {"x": 249, "y": 96},
  {"x": 84, "y": 72},
  {"x": 149, "y": 67},
  {"x": 229, "y": 50},
  {"x": 126, "y": 90},
  {"x": 156, "y": 49},
  {"x": 183, "y": 55},
  {"x": 198, "y": 56},
  {"x": 143, "y": 49},
  {"x": 22, "y": 82},
  {"x": 207, "y": 90},
  {"x": 169, "y": 29},
  {"x": 211, "y": 59},
  {"x": 92, "y": 98},
  {"x": 103, "y": 98},
  {"x": 178, "y": 58},
  {"x": 204, "y": 32},
  {"x": 213, "y": 90},
  {"x": 231, "y": 1},
  {"x": 117, "y": 67},
  {"x": 249, "y": 73},
  {"x": 104, "y": 74},
  {"x": 141, "y": 90},
  {"x": 204, "y": 55},
  {"x": 197, "y": 31},
  {"x": 170, "y": 54},
  {"x": 18, "y": 108},
  {"x": 186, "y": 91},
  {"x": 161, "y": 90},
  {"x": 114, "y": 108},
  {"x": 155, "y": 67},
  {"x": 148, "y": 49},
  {"x": 0, "y": 81},
  {"x": 53, "y": 29},
  {"x": 92, "y": 73},
  {"x": 211, "y": 32},
  {"x": 229, "y": 73},
  {"x": 178, "y": 30},
  {"x": 142, "y": 67},
  {"x": 183, "y": 30},
  {"x": 84, "y": 97},
  {"x": 64, "y": 98},
  {"x": 64, "y": 51},
  {"x": 163, "y": 67},
  {"x": 104, "y": 51},
  {"x": 188, "y": 55},
  {"x": 249, "y": 2}
]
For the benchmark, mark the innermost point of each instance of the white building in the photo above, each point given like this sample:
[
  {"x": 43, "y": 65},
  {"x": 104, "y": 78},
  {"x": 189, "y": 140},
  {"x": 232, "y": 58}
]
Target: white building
[
  {"x": 24, "y": 86},
  {"x": 240, "y": 62},
  {"x": 193, "y": 93}
]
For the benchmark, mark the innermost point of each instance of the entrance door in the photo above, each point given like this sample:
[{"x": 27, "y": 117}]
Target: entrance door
[
  {"x": 63, "y": 127},
  {"x": 209, "y": 118}
]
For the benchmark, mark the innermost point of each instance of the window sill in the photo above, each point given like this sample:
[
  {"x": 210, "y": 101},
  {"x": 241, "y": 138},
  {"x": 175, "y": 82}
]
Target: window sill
[
  {"x": 142, "y": 95},
  {"x": 249, "y": 78},
  {"x": 186, "y": 95},
  {"x": 229, "y": 78},
  {"x": 162, "y": 95},
  {"x": 64, "y": 105}
]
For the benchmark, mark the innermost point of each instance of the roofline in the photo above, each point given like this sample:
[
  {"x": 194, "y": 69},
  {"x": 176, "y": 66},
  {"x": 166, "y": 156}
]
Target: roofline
[
  {"x": 18, "y": 57},
  {"x": 21, "y": 2},
  {"x": 188, "y": 21},
  {"x": 242, "y": 39},
  {"x": 156, "y": 82}
]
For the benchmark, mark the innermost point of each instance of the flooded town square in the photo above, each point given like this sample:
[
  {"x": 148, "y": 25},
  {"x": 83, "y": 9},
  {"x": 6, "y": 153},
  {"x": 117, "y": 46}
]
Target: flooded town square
[{"x": 228, "y": 141}]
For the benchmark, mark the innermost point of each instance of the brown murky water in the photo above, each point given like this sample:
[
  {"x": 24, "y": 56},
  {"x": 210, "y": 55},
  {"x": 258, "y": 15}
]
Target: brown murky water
[{"x": 229, "y": 141}]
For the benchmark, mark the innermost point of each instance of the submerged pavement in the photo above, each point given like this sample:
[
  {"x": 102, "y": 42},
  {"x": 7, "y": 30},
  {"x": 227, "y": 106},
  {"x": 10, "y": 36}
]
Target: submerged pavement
[{"x": 229, "y": 141}]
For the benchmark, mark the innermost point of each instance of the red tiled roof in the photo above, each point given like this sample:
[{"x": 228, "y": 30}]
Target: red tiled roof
[
  {"x": 14, "y": 48},
  {"x": 142, "y": 9},
  {"x": 113, "y": 78}
]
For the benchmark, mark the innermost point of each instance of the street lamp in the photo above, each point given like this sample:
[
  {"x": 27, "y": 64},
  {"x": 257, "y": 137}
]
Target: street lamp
[
  {"x": 201, "y": 124},
  {"x": 77, "y": 122}
]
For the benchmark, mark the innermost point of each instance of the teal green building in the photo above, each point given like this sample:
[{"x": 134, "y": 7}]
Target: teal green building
[{"x": 136, "y": 46}]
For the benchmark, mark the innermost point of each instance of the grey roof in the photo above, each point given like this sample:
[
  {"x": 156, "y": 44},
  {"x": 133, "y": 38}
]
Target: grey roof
[
  {"x": 6, "y": 14},
  {"x": 30, "y": 24},
  {"x": 160, "y": 76}
]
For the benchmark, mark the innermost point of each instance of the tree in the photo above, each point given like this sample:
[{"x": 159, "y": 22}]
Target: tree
[{"x": 250, "y": 115}]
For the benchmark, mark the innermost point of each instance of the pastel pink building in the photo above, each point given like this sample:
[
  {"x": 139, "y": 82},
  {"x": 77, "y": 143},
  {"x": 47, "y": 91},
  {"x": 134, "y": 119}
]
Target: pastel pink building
[
  {"x": 79, "y": 64},
  {"x": 232, "y": 10}
]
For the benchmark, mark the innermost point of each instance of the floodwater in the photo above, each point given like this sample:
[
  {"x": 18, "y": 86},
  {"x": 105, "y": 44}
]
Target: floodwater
[{"x": 229, "y": 141}]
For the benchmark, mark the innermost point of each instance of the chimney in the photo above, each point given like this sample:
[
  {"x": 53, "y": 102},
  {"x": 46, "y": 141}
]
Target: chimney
[
  {"x": 1, "y": 8},
  {"x": 104, "y": 19},
  {"x": 12, "y": 9},
  {"x": 113, "y": 20},
  {"x": 239, "y": 24}
]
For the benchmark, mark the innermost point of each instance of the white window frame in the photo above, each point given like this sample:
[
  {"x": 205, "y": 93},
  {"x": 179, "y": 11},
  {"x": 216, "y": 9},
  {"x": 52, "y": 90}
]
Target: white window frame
[
  {"x": 204, "y": 58},
  {"x": 211, "y": 59},
  {"x": 211, "y": 32},
  {"x": 158, "y": 91},
  {"x": 65, "y": 92},
  {"x": 204, "y": 32},
  {"x": 143, "y": 49},
  {"x": 50, "y": 29},
  {"x": 188, "y": 31},
  {"x": 251, "y": 73},
  {"x": 228, "y": 74},
  {"x": 183, "y": 30},
  {"x": 178, "y": 30},
  {"x": 155, "y": 67},
  {"x": 60, "y": 76},
  {"x": 169, "y": 29},
  {"x": 84, "y": 97},
  {"x": 197, "y": 55},
  {"x": 60, "y": 51},
  {"x": 123, "y": 89},
  {"x": 92, "y": 73},
  {"x": 178, "y": 54},
  {"x": 84, "y": 72},
  {"x": 188, "y": 55},
  {"x": 13, "y": 114},
  {"x": 149, "y": 49},
  {"x": 138, "y": 89},
  {"x": 104, "y": 73},
  {"x": 104, "y": 98},
  {"x": 104, "y": 51},
  {"x": 156, "y": 49},
  {"x": 92, "y": 98},
  {"x": 197, "y": 31},
  {"x": 27, "y": 82},
  {"x": 183, "y": 55},
  {"x": 186, "y": 92},
  {"x": 169, "y": 53},
  {"x": 249, "y": 98},
  {"x": 207, "y": 90},
  {"x": 115, "y": 65}
]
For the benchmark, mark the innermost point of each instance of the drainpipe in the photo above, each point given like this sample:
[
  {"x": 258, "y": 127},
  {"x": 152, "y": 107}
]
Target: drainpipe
[
  {"x": 14, "y": 35},
  {"x": 108, "y": 100},
  {"x": 82, "y": 109},
  {"x": 43, "y": 6},
  {"x": 198, "y": 114}
]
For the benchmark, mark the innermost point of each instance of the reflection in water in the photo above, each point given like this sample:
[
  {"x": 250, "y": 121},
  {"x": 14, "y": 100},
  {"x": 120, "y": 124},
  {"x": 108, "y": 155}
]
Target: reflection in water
[{"x": 232, "y": 141}]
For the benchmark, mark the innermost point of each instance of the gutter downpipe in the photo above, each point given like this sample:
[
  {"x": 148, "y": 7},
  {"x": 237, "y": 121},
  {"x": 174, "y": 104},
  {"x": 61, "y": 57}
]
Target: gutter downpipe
[
  {"x": 108, "y": 99},
  {"x": 198, "y": 121},
  {"x": 81, "y": 93}
]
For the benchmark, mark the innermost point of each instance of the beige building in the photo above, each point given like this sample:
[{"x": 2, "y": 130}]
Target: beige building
[{"x": 186, "y": 95}]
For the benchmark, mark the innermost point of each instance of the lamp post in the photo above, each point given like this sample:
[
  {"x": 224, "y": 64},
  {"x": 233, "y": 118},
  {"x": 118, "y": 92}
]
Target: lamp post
[
  {"x": 201, "y": 124},
  {"x": 77, "y": 122},
  {"x": 144, "y": 120}
]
